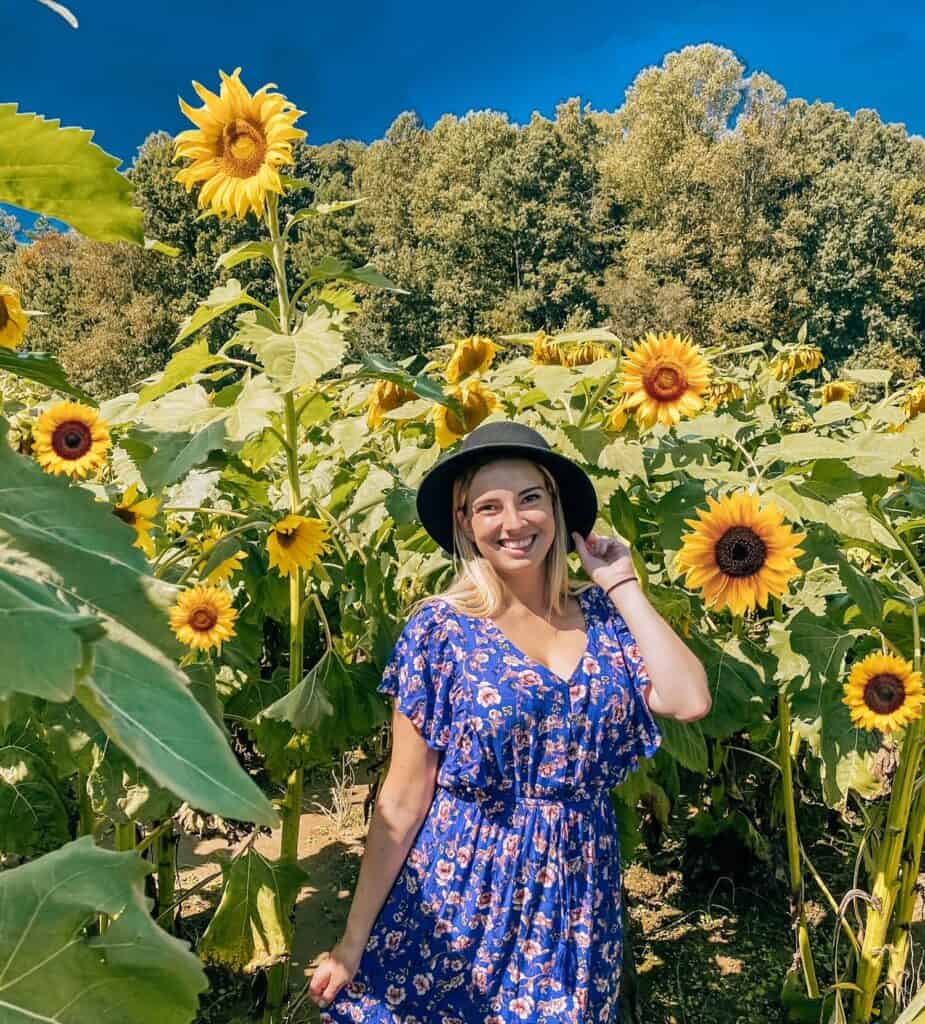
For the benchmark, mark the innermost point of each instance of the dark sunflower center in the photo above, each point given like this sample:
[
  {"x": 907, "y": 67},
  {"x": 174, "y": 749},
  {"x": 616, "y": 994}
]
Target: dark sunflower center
[
  {"x": 4, "y": 315},
  {"x": 126, "y": 515},
  {"x": 203, "y": 619},
  {"x": 71, "y": 440},
  {"x": 884, "y": 694},
  {"x": 666, "y": 382},
  {"x": 286, "y": 539},
  {"x": 243, "y": 148},
  {"x": 740, "y": 552}
]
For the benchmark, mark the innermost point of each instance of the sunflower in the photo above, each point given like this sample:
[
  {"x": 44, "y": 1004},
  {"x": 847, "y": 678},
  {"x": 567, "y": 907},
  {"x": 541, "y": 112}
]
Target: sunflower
[
  {"x": 383, "y": 398},
  {"x": 884, "y": 692},
  {"x": 472, "y": 355},
  {"x": 226, "y": 568},
  {"x": 139, "y": 514},
  {"x": 801, "y": 359},
  {"x": 721, "y": 391},
  {"x": 664, "y": 378},
  {"x": 203, "y": 617},
  {"x": 477, "y": 401},
  {"x": 296, "y": 542},
  {"x": 545, "y": 351},
  {"x": 739, "y": 553},
  {"x": 914, "y": 402},
  {"x": 616, "y": 418},
  {"x": 838, "y": 391},
  {"x": 585, "y": 354},
  {"x": 238, "y": 147},
  {"x": 13, "y": 321},
  {"x": 71, "y": 438}
]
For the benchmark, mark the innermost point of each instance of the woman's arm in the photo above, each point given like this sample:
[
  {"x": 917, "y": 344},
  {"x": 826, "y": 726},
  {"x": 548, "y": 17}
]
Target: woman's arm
[
  {"x": 679, "y": 687},
  {"x": 401, "y": 807}
]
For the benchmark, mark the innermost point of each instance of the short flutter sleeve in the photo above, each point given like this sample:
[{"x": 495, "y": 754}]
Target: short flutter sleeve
[
  {"x": 641, "y": 722},
  {"x": 421, "y": 672}
]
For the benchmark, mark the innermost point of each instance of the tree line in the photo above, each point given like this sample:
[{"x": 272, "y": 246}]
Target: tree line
[{"x": 708, "y": 203}]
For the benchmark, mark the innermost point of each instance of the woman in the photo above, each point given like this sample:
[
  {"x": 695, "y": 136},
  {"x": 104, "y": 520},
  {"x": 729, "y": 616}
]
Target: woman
[{"x": 490, "y": 886}]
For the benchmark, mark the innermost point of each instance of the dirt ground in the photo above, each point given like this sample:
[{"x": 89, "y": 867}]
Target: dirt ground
[{"x": 706, "y": 958}]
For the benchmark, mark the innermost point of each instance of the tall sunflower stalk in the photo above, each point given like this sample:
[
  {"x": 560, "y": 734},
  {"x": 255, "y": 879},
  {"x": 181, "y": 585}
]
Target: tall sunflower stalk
[
  {"x": 892, "y": 891},
  {"x": 291, "y": 807}
]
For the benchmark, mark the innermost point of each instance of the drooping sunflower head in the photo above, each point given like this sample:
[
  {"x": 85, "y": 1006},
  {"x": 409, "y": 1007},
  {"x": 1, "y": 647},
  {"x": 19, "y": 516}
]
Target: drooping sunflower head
[
  {"x": 884, "y": 692},
  {"x": 914, "y": 402},
  {"x": 238, "y": 146},
  {"x": 203, "y": 617},
  {"x": 584, "y": 354},
  {"x": 664, "y": 378},
  {"x": 740, "y": 553},
  {"x": 722, "y": 391},
  {"x": 799, "y": 360},
  {"x": 13, "y": 321},
  {"x": 140, "y": 515},
  {"x": 838, "y": 391},
  {"x": 478, "y": 401},
  {"x": 384, "y": 397},
  {"x": 545, "y": 351},
  {"x": 296, "y": 542},
  {"x": 471, "y": 355},
  {"x": 72, "y": 439}
]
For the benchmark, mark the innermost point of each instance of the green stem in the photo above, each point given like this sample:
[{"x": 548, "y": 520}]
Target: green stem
[
  {"x": 278, "y": 975},
  {"x": 900, "y": 820},
  {"x": 166, "y": 853},
  {"x": 86, "y": 822},
  {"x": 598, "y": 394},
  {"x": 797, "y": 908},
  {"x": 126, "y": 837}
]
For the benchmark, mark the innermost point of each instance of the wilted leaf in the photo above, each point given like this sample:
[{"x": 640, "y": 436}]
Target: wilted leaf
[{"x": 251, "y": 927}]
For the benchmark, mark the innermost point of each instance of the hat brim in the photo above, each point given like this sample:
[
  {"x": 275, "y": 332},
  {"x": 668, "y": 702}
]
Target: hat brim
[{"x": 434, "y": 498}]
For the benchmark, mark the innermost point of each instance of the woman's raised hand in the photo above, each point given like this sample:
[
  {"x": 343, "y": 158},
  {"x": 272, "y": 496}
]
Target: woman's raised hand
[
  {"x": 335, "y": 971},
  {"x": 606, "y": 559}
]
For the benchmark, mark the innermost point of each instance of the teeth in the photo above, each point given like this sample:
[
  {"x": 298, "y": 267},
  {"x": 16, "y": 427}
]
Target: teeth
[{"x": 520, "y": 545}]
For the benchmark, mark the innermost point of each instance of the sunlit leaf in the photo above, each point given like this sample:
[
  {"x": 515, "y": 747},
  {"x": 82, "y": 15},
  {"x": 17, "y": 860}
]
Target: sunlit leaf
[
  {"x": 51, "y": 969},
  {"x": 60, "y": 173}
]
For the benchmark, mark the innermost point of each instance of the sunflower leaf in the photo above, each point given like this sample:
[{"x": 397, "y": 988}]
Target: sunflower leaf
[
  {"x": 60, "y": 173},
  {"x": 243, "y": 253},
  {"x": 52, "y": 969},
  {"x": 218, "y": 302},
  {"x": 294, "y": 360},
  {"x": 333, "y": 269},
  {"x": 43, "y": 369},
  {"x": 177, "y": 454},
  {"x": 252, "y": 927},
  {"x": 181, "y": 369},
  {"x": 44, "y": 643}
]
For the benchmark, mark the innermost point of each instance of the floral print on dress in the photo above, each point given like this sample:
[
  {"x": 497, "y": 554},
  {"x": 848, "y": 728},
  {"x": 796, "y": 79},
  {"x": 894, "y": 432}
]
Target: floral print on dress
[{"x": 508, "y": 907}]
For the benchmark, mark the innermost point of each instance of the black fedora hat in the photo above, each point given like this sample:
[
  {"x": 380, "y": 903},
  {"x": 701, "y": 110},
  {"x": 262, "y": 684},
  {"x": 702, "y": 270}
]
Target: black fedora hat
[{"x": 493, "y": 440}]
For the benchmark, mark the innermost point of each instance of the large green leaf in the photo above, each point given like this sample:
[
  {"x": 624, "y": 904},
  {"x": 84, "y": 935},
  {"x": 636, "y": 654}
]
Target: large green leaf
[
  {"x": 59, "y": 172},
  {"x": 33, "y": 818},
  {"x": 685, "y": 742},
  {"x": 219, "y": 301},
  {"x": 252, "y": 927},
  {"x": 51, "y": 970},
  {"x": 44, "y": 643},
  {"x": 143, "y": 702},
  {"x": 294, "y": 360},
  {"x": 331, "y": 268},
  {"x": 378, "y": 366},
  {"x": 176, "y": 454},
  {"x": 181, "y": 369},
  {"x": 59, "y": 533},
  {"x": 43, "y": 369}
]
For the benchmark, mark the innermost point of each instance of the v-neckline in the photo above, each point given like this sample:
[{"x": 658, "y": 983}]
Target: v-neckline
[{"x": 492, "y": 625}]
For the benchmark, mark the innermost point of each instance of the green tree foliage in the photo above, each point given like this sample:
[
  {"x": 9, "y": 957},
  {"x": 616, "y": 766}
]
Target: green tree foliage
[{"x": 708, "y": 203}]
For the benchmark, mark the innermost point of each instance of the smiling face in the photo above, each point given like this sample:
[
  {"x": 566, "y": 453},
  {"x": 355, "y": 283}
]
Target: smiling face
[{"x": 509, "y": 515}]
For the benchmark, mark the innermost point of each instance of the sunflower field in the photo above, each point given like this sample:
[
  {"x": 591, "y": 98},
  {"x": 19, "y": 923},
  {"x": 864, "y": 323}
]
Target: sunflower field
[{"x": 201, "y": 580}]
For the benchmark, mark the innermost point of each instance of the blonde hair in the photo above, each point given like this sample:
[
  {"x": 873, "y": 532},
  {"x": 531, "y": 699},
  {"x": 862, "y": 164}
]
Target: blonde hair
[{"x": 476, "y": 588}]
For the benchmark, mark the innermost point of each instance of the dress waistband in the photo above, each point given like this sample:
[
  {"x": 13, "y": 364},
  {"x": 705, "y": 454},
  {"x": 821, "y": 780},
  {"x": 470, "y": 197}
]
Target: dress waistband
[{"x": 509, "y": 801}]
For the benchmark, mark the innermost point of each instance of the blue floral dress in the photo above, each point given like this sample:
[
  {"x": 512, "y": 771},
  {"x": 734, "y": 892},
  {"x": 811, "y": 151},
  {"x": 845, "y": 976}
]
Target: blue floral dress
[{"x": 508, "y": 906}]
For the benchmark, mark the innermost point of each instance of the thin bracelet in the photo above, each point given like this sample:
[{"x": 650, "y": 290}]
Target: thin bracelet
[{"x": 617, "y": 584}]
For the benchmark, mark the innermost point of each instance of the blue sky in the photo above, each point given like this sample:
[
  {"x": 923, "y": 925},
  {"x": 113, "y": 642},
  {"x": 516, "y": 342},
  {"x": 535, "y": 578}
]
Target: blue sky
[{"x": 355, "y": 67}]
